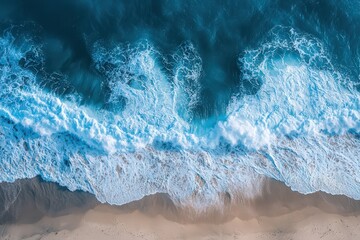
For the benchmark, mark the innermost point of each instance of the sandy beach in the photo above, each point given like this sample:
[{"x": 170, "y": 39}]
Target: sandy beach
[
  {"x": 104, "y": 222},
  {"x": 278, "y": 214}
]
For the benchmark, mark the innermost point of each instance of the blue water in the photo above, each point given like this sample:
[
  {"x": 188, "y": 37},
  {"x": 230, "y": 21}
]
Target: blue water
[{"x": 193, "y": 99}]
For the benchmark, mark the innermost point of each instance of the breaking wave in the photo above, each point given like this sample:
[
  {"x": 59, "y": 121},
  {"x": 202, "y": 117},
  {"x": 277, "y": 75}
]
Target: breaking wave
[{"x": 294, "y": 117}]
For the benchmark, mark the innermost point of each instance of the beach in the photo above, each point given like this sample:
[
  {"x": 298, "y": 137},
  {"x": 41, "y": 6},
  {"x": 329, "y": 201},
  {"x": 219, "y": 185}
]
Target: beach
[
  {"x": 108, "y": 223},
  {"x": 278, "y": 214}
]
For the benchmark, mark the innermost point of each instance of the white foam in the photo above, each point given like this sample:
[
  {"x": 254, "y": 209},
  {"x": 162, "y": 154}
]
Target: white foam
[{"x": 296, "y": 97}]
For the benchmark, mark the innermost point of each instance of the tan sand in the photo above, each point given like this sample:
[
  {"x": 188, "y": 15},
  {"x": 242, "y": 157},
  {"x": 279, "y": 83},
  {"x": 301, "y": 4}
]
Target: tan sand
[
  {"x": 278, "y": 214},
  {"x": 108, "y": 223}
]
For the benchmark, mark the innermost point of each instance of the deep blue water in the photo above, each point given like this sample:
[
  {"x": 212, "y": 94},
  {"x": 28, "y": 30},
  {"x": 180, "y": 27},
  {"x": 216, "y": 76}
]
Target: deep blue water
[{"x": 191, "y": 98}]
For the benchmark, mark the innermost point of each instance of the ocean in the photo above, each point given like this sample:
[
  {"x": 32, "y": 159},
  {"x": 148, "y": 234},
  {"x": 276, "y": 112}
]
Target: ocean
[{"x": 199, "y": 100}]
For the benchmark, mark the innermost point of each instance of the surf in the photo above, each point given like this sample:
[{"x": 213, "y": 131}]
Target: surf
[{"x": 300, "y": 127}]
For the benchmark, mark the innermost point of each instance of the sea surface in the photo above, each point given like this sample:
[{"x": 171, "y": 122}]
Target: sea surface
[{"x": 200, "y": 100}]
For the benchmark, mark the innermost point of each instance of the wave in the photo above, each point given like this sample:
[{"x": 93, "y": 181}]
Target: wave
[{"x": 300, "y": 127}]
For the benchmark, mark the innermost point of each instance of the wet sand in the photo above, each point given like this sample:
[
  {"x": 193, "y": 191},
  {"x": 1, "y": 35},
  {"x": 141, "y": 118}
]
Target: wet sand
[{"x": 279, "y": 214}]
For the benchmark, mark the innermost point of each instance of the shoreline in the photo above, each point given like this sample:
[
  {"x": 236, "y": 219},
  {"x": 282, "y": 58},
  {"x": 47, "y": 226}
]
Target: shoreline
[{"x": 278, "y": 214}]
